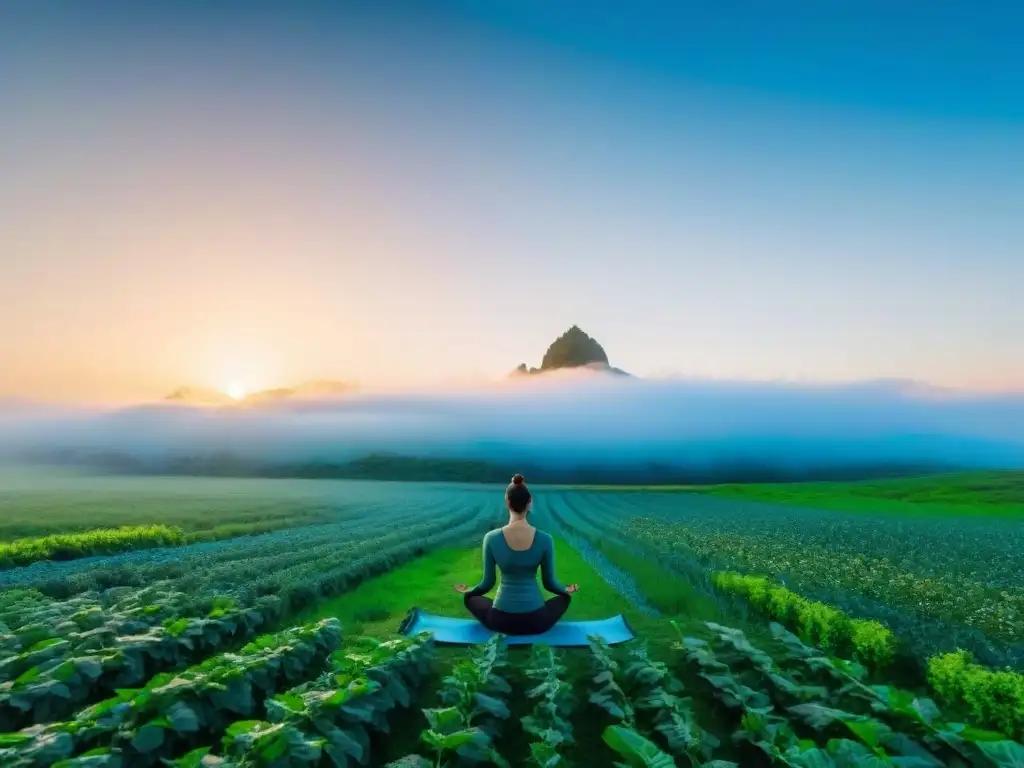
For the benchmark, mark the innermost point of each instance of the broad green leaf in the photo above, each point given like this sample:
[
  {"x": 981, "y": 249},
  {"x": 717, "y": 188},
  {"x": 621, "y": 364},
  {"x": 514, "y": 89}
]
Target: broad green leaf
[
  {"x": 291, "y": 702},
  {"x": 495, "y": 758},
  {"x": 492, "y": 706},
  {"x": 637, "y": 750},
  {"x": 914, "y": 761},
  {"x": 449, "y": 742},
  {"x": 148, "y": 738},
  {"x": 28, "y": 676},
  {"x": 193, "y": 759},
  {"x": 972, "y": 734},
  {"x": 818, "y": 716},
  {"x": 609, "y": 705},
  {"x": 812, "y": 758},
  {"x": 13, "y": 739},
  {"x": 872, "y": 732},
  {"x": 545, "y": 755},
  {"x": 183, "y": 718},
  {"x": 243, "y": 727},
  {"x": 343, "y": 742},
  {"x": 400, "y": 693},
  {"x": 1003, "y": 754},
  {"x": 852, "y": 754},
  {"x": 444, "y": 720}
]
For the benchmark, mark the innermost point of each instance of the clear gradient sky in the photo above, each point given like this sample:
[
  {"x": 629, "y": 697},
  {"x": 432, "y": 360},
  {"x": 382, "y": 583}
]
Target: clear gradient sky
[{"x": 416, "y": 191}]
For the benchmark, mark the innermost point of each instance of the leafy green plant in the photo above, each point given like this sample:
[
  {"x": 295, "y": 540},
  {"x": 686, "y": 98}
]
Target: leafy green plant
[
  {"x": 639, "y": 752},
  {"x": 641, "y": 688},
  {"x": 635, "y": 749},
  {"x": 173, "y": 709},
  {"x": 995, "y": 698},
  {"x": 728, "y": 687},
  {"x": 911, "y": 714},
  {"x": 774, "y": 737},
  {"x": 332, "y": 716},
  {"x": 608, "y": 695},
  {"x": 548, "y": 722},
  {"x": 101, "y": 541},
  {"x": 465, "y": 729},
  {"x": 451, "y": 738},
  {"x": 63, "y": 654},
  {"x": 824, "y": 625}
]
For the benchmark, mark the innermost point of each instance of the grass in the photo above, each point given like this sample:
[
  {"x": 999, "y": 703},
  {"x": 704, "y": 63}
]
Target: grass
[
  {"x": 376, "y": 607},
  {"x": 668, "y": 592},
  {"x": 967, "y": 494}
]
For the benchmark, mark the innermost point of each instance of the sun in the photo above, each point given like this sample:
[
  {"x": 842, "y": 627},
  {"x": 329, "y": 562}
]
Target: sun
[{"x": 236, "y": 390}]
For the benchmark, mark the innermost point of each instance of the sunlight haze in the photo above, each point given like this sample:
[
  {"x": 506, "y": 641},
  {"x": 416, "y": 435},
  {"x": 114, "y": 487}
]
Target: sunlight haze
[{"x": 240, "y": 198}]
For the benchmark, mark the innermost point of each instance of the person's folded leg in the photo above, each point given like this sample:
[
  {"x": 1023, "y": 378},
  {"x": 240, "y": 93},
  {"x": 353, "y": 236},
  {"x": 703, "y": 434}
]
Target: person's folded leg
[
  {"x": 479, "y": 606},
  {"x": 532, "y": 623},
  {"x": 555, "y": 608}
]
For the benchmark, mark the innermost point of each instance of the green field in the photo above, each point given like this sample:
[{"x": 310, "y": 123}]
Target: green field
[
  {"x": 765, "y": 593},
  {"x": 996, "y": 494},
  {"x": 44, "y": 503}
]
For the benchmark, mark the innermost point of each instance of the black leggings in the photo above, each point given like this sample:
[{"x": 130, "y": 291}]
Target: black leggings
[{"x": 532, "y": 623}]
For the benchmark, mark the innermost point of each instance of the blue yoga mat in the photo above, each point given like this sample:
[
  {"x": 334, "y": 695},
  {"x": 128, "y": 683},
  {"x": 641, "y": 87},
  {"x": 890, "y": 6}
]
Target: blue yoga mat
[{"x": 469, "y": 631}]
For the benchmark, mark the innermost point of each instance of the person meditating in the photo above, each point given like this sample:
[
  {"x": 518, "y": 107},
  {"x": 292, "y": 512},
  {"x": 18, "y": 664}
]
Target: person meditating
[{"x": 518, "y": 550}]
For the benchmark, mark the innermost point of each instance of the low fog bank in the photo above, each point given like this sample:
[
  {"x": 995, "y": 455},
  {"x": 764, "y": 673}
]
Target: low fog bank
[{"x": 559, "y": 430}]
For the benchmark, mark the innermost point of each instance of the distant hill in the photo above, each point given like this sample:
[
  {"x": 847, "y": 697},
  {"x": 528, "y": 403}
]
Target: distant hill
[
  {"x": 573, "y": 349},
  {"x": 205, "y": 396}
]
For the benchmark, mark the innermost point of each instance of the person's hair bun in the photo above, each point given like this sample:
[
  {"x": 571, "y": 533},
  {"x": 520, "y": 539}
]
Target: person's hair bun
[{"x": 518, "y": 479}]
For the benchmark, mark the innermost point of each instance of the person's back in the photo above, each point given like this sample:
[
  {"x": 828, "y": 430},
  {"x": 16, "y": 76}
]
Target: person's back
[
  {"x": 518, "y": 591},
  {"x": 517, "y": 551}
]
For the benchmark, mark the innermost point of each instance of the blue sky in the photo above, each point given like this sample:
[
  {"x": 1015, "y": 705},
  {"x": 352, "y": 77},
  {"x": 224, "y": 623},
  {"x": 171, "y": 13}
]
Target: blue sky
[{"x": 413, "y": 191}]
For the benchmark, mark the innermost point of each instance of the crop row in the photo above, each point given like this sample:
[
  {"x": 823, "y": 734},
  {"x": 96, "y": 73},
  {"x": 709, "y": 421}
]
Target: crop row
[
  {"x": 694, "y": 551},
  {"x": 799, "y": 708},
  {"x": 157, "y": 720},
  {"x": 794, "y": 707},
  {"x": 964, "y": 578},
  {"x": 475, "y": 709},
  {"x": 548, "y": 724},
  {"x": 332, "y": 718},
  {"x": 139, "y": 568},
  {"x": 990, "y": 697},
  {"x": 825, "y": 626},
  {"x": 641, "y": 696},
  {"x": 808, "y": 708},
  {"x": 51, "y": 678},
  {"x": 36, "y": 628},
  {"x": 994, "y": 698},
  {"x": 103, "y": 541}
]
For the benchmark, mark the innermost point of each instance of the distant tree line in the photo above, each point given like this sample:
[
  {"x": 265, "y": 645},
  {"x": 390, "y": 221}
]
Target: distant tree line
[{"x": 387, "y": 466}]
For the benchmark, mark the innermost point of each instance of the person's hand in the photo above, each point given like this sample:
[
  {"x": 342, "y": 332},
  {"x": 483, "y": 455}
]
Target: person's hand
[
  {"x": 572, "y": 588},
  {"x": 461, "y": 588}
]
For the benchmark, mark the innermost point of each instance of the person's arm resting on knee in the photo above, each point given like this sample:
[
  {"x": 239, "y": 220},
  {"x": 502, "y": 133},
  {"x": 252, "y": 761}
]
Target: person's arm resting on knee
[
  {"x": 487, "y": 583},
  {"x": 547, "y": 570}
]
